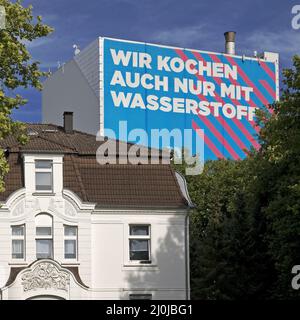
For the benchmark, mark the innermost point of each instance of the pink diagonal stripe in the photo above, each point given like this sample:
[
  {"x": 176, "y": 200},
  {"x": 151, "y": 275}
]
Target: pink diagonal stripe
[
  {"x": 268, "y": 88},
  {"x": 219, "y": 137},
  {"x": 242, "y": 129},
  {"x": 248, "y": 81},
  {"x": 268, "y": 70},
  {"x": 208, "y": 142},
  {"x": 251, "y": 103},
  {"x": 224, "y": 124},
  {"x": 235, "y": 102},
  {"x": 214, "y": 131}
]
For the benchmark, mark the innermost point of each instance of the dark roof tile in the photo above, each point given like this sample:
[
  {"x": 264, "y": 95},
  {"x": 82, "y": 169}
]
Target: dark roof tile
[{"x": 107, "y": 185}]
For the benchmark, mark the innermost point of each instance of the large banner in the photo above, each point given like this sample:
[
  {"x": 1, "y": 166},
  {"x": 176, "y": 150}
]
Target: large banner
[{"x": 154, "y": 87}]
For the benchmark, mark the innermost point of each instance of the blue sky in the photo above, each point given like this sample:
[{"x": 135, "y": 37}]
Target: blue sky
[{"x": 199, "y": 24}]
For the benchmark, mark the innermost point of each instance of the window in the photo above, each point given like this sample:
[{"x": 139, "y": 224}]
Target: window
[
  {"x": 70, "y": 233},
  {"x": 140, "y": 296},
  {"x": 139, "y": 243},
  {"x": 43, "y": 175},
  {"x": 44, "y": 236},
  {"x": 18, "y": 242}
]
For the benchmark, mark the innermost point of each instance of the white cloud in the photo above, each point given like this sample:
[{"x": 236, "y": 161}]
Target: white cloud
[
  {"x": 286, "y": 42},
  {"x": 184, "y": 37},
  {"x": 38, "y": 42},
  {"x": 49, "y": 18}
]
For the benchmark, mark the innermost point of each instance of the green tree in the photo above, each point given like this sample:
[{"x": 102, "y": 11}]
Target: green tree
[
  {"x": 229, "y": 260},
  {"x": 279, "y": 160},
  {"x": 17, "y": 69},
  {"x": 245, "y": 231}
]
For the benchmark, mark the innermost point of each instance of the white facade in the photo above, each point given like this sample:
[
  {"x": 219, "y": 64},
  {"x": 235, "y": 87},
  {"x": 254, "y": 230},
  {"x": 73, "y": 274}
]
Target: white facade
[
  {"x": 105, "y": 270},
  {"x": 76, "y": 87}
]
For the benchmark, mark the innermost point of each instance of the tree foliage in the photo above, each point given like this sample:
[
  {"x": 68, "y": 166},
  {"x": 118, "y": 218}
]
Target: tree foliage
[
  {"x": 17, "y": 69},
  {"x": 279, "y": 159}
]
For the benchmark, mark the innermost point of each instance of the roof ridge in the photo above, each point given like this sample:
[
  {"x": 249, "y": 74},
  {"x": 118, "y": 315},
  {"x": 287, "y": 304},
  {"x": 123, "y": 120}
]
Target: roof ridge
[
  {"x": 40, "y": 136},
  {"x": 40, "y": 124},
  {"x": 84, "y": 133},
  {"x": 59, "y": 127},
  {"x": 86, "y": 141},
  {"x": 56, "y": 142}
]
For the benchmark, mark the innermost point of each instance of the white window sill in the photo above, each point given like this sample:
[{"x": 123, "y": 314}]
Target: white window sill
[
  {"x": 140, "y": 266},
  {"x": 70, "y": 263},
  {"x": 43, "y": 193},
  {"x": 18, "y": 263}
]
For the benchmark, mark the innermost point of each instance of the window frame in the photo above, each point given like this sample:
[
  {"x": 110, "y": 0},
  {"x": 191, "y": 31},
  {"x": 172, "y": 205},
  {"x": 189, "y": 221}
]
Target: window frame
[
  {"x": 45, "y": 237},
  {"x": 140, "y": 237},
  {"x": 73, "y": 237},
  {"x": 19, "y": 237},
  {"x": 43, "y": 170}
]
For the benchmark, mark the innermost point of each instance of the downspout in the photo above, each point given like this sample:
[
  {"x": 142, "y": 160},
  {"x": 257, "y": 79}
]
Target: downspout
[
  {"x": 187, "y": 257},
  {"x": 190, "y": 205}
]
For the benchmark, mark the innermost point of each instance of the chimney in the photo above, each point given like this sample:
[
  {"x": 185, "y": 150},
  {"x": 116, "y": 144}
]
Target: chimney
[
  {"x": 68, "y": 122},
  {"x": 230, "y": 42}
]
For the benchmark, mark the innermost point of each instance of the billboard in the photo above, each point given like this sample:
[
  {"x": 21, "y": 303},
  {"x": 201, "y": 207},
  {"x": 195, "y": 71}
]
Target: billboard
[{"x": 154, "y": 87}]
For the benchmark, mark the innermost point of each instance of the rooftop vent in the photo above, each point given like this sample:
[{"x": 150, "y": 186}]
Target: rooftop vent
[
  {"x": 230, "y": 42},
  {"x": 32, "y": 132},
  {"x": 49, "y": 130}
]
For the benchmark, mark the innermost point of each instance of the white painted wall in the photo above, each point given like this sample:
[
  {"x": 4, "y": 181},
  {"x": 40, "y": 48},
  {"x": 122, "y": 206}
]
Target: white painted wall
[
  {"x": 68, "y": 89},
  {"x": 164, "y": 277},
  {"x": 103, "y": 250},
  {"x": 88, "y": 60}
]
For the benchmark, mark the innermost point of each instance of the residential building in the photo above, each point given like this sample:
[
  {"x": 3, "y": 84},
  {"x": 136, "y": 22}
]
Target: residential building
[{"x": 71, "y": 228}]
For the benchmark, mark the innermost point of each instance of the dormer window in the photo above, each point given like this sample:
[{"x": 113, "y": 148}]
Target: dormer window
[{"x": 43, "y": 175}]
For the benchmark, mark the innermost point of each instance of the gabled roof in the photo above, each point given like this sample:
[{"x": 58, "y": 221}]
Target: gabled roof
[
  {"x": 111, "y": 185},
  {"x": 53, "y": 138}
]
